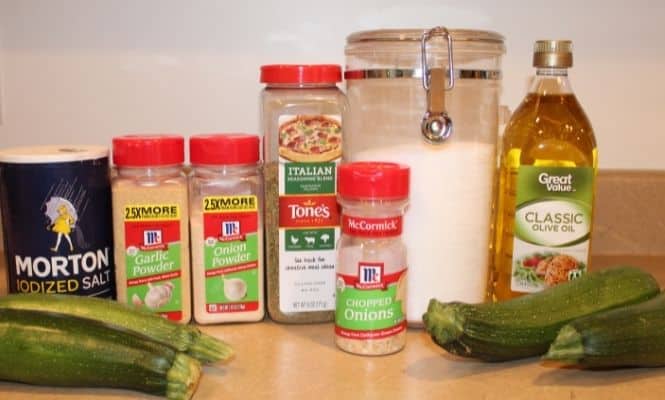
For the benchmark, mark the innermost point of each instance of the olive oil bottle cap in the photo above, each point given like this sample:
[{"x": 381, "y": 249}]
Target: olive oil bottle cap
[{"x": 553, "y": 54}]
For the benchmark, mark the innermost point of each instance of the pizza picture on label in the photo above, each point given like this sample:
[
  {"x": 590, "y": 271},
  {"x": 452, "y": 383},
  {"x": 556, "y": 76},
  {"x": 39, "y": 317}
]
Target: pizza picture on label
[{"x": 310, "y": 138}]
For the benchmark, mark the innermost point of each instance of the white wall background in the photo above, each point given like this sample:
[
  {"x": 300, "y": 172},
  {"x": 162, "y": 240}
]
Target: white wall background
[{"x": 82, "y": 71}]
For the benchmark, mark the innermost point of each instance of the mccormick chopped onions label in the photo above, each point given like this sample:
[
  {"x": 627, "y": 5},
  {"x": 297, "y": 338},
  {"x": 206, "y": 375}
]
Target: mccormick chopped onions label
[{"x": 370, "y": 303}]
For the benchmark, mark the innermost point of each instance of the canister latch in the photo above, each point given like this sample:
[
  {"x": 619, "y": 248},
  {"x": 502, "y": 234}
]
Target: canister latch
[{"x": 436, "y": 125}]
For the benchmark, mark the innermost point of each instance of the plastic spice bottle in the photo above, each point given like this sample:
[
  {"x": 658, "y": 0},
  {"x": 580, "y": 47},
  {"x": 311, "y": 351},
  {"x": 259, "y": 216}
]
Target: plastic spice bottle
[
  {"x": 370, "y": 317},
  {"x": 302, "y": 115},
  {"x": 150, "y": 224},
  {"x": 226, "y": 209},
  {"x": 546, "y": 183}
]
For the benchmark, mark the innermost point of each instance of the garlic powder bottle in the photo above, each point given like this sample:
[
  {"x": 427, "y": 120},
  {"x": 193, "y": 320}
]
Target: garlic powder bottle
[
  {"x": 150, "y": 224},
  {"x": 226, "y": 218},
  {"x": 370, "y": 316}
]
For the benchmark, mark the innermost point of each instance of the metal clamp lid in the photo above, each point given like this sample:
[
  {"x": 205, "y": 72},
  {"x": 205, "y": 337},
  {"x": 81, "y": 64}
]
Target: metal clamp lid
[{"x": 436, "y": 125}]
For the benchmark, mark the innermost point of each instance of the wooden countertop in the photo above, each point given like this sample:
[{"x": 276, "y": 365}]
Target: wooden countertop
[{"x": 301, "y": 362}]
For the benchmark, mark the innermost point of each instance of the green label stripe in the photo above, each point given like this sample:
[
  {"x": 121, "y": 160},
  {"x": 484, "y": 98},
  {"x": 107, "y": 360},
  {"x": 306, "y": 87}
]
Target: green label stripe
[
  {"x": 553, "y": 205},
  {"x": 153, "y": 262},
  {"x": 368, "y": 310},
  {"x": 309, "y": 239},
  {"x": 553, "y": 222},
  {"x": 164, "y": 294},
  {"x": 233, "y": 286},
  {"x": 226, "y": 254},
  {"x": 309, "y": 178},
  {"x": 535, "y": 183}
]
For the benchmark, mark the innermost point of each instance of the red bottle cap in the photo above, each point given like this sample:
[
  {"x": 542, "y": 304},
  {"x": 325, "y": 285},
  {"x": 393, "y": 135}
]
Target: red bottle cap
[
  {"x": 373, "y": 180},
  {"x": 148, "y": 150},
  {"x": 224, "y": 149},
  {"x": 287, "y": 73}
]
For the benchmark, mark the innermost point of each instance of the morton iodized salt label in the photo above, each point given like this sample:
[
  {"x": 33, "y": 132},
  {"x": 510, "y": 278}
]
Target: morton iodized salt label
[{"x": 56, "y": 212}]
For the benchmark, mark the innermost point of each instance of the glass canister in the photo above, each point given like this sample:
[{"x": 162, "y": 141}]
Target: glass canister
[{"x": 430, "y": 99}]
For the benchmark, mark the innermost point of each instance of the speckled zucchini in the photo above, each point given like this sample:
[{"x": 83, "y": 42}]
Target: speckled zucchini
[
  {"x": 525, "y": 326},
  {"x": 56, "y": 350},
  {"x": 185, "y": 338},
  {"x": 632, "y": 336}
]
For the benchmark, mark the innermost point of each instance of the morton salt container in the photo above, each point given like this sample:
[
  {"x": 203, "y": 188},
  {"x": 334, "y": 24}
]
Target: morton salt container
[
  {"x": 56, "y": 211},
  {"x": 430, "y": 99}
]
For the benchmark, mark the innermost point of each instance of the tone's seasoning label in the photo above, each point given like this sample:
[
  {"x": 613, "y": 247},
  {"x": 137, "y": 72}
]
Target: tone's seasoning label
[
  {"x": 552, "y": 226},
  {"x": 231, "y": 253},
  {"x": 57, "y": 224},
  {"x": 152, "y": 257},
  {"x": 310, "y": 149},
  {"x": 370, "y": 304}
]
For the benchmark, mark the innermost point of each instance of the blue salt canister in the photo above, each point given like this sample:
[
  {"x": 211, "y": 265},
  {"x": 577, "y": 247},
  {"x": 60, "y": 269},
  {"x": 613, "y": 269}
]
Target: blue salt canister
[{"x": 57, "y": 223}]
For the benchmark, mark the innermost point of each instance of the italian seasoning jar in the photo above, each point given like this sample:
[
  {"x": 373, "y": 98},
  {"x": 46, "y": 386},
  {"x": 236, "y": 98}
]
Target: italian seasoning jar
[
  {"x": 150, "y": 224},
  {"x": 302, "y": 117},
  {"x": 226, "y": 208},
  {"x": 370, "y": 316}
]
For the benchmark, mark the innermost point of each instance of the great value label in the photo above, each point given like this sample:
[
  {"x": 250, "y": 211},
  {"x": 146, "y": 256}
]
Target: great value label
[{"x": 552, "y": 226}]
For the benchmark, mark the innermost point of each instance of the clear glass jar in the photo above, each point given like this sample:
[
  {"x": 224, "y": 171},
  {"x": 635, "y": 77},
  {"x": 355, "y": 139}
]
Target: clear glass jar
[
  {"x": 371, "y": 294},
  {"x": 440, "y": 117},
  {"x": 226, "y": 222},
  {"x": 302, "y": 116},
  {"x": 150, "y": 224}
]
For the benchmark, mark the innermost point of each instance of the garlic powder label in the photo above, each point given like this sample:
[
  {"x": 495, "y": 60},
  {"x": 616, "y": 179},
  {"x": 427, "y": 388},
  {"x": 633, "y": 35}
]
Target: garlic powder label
[{"x": 152, "y": 254}]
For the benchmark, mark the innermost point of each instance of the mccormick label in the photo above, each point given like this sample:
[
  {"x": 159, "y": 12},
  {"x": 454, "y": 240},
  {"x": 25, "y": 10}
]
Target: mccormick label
[
  {"x": 231, "y": 253},
  {"x": 152, "y": 256},
  {"x": 310, "y": 149},
  {"x": 372, "y": 227},
  {"x": 58, "y": 227},
  {"x": 370, "y": 303},
  {"x": 552, "y": 226}
]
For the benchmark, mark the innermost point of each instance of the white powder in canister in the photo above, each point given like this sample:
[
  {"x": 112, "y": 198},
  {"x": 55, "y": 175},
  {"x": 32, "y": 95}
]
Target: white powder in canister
[{"x": 447, "y": 225}]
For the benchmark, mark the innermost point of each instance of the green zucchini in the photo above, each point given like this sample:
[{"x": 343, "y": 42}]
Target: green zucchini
[
  {"x": 185, "y": 338},
  {"x": 525, "y": 326},
  {"x": 632, "y": 336},
  {"x": 56, "y": 350}
]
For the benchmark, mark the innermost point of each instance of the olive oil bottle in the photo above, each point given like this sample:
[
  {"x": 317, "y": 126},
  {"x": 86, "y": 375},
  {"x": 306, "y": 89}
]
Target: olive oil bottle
[{"x": 546, "y": 183}]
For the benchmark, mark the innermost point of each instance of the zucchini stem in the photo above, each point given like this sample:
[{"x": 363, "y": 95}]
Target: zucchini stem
[
  {"x": 443, "y": 321},
  {"x": 209, "y": 349},
  {"x": 567, "y": 348},
  {"x": 183, "y": 378}
]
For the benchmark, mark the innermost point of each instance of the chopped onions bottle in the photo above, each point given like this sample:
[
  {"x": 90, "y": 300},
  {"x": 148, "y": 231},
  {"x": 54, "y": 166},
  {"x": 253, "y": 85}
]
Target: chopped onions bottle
[{"x": 370, "y": 316}]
